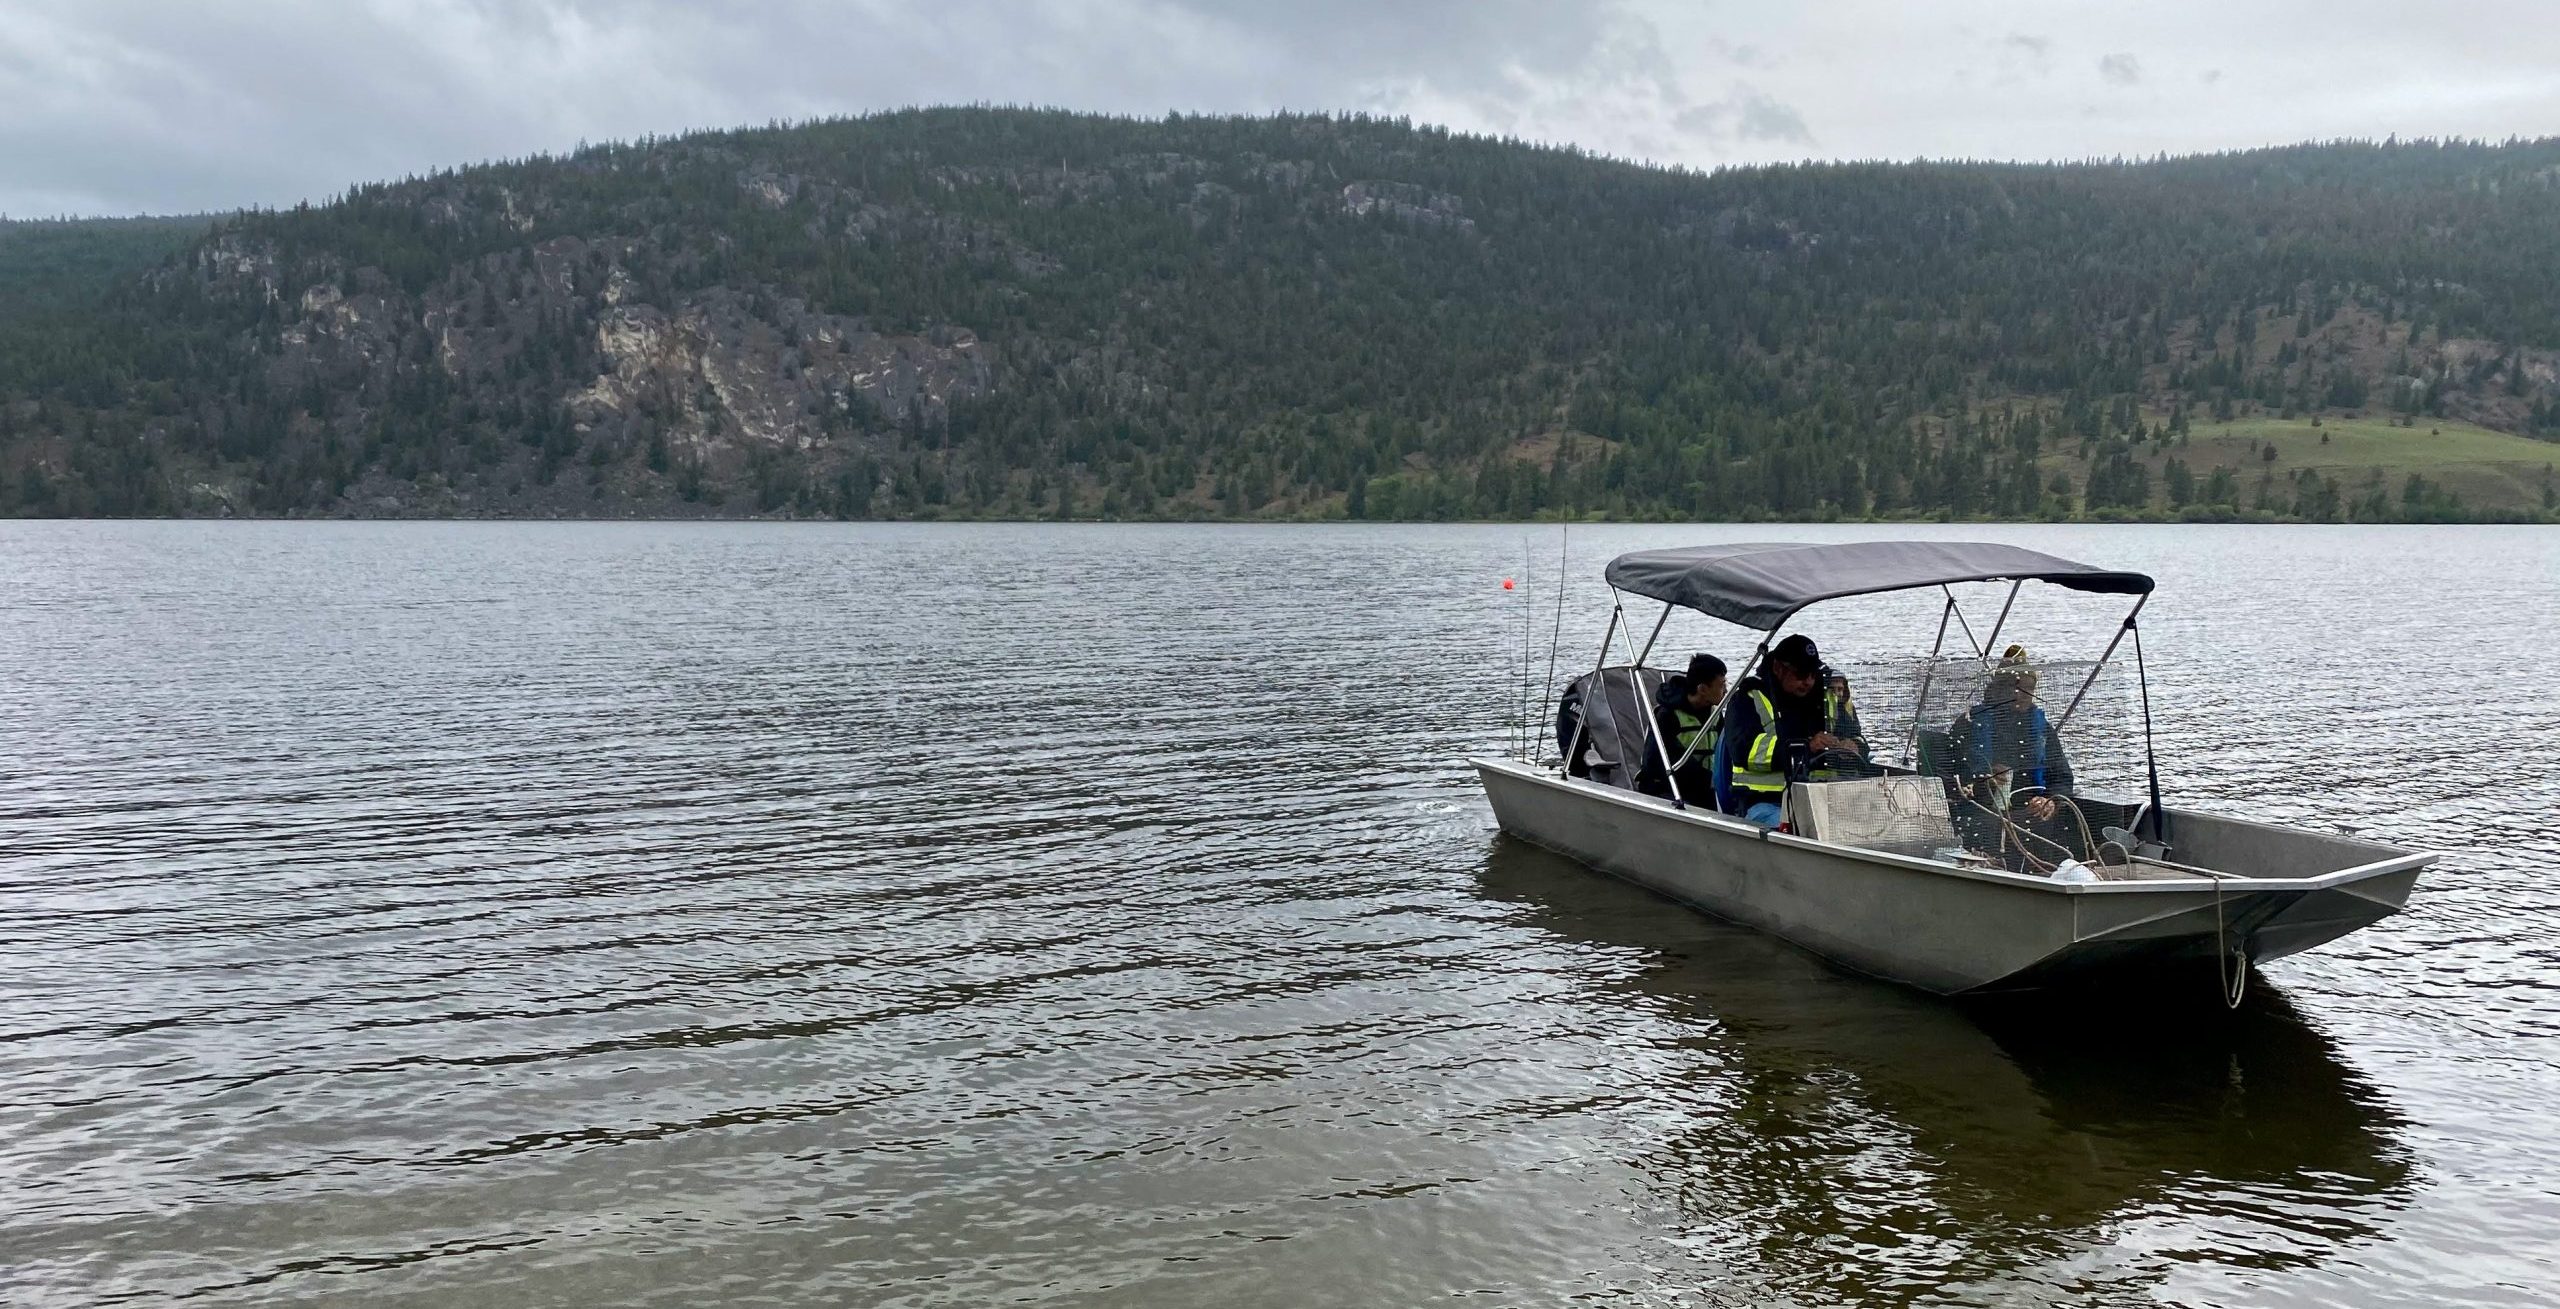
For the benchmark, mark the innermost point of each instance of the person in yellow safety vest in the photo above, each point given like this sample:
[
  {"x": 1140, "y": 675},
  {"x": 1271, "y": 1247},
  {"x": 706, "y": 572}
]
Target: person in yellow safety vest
[
  {"x": 1684, "y": 706},
  {"x": 1840, "y": 718},
  {"x": 1773, "y": 725}
]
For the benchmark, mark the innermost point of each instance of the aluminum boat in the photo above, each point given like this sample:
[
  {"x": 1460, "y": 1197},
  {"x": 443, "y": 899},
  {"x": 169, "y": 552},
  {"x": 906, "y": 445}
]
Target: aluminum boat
[{"x": 1882, "y": 873}]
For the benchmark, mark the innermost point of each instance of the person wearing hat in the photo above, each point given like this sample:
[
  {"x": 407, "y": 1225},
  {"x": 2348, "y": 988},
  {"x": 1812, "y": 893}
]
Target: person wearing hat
[
  {"x": 1683, "y": 716},
  {"x": 2011, "y": 754},
  {"x": 1773, "y": 725}
]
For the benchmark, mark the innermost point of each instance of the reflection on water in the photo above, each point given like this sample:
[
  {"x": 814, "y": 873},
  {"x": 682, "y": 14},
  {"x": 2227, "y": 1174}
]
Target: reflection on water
[
  {"x": 1829, "y": 1123},
  {"x": 459, "y": 914}
]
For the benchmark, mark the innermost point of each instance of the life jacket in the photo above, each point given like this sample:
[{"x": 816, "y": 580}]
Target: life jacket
[
  {"x": 1685, "y": 741},
  {"x": 2031, "y": 772},
  {"x": 1757, "y": 769}
]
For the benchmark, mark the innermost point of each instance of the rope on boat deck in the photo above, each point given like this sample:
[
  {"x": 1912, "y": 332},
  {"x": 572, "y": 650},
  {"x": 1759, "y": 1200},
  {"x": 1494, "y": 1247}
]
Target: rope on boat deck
[
  {"x": 2235, "y": 985},
  {"x": 2012, "y": 833}
]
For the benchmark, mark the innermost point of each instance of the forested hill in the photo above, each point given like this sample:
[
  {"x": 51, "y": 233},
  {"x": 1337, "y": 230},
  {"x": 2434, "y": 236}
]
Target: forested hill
[
  {"x": 997, "y": 313},
  {"x": 52, "y": 266}
]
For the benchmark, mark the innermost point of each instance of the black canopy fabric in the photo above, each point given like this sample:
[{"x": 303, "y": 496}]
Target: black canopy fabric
[{"x": 1761, "y": 585}]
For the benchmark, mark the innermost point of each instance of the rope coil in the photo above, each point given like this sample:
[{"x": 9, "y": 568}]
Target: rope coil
[{"x": 2013, "y": 834}]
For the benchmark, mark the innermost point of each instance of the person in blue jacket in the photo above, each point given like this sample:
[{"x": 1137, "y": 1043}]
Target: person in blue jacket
[{"x": 2011, "y": 757}]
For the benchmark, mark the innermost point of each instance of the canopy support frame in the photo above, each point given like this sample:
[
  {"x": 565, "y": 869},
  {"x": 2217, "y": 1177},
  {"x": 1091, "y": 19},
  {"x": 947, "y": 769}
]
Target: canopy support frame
[
  {"x": 1951, "y": 613},
  {"x": 1981, "y": 652},
  {"x": 1635, "y": 687},
  {"x": 2150, "y": 758},
  {"x": 2002, "y": 620},
  {"x": 2100, "y": 666},
  {"x": 1608, "y": 634},
  {"x": 1928, "y": 674}
]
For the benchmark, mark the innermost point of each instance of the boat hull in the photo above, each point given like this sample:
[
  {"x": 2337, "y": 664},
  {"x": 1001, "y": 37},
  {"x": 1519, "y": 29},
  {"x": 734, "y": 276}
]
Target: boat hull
[{"x": 1950, "y": 930}]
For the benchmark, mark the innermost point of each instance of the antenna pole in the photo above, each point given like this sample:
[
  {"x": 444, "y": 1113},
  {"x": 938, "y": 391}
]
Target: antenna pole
[
  {"x": 1528, "y": 611},
  {"x": 1555, "y": 638}
]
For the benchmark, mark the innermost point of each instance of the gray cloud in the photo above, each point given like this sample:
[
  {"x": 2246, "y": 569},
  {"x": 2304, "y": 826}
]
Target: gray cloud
[
  {"x": 134, "y": 105},
  {"x": 2015, "y": 58},
  {"x": 1764, "y": 119},
  {"x": 1748, "y": 116},
  {"x": 129, "y": 105}
]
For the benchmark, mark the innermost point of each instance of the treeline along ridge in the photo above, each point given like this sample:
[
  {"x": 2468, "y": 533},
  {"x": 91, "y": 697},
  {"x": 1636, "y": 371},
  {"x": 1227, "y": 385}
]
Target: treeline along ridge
[{"x": 971, "y": 313}]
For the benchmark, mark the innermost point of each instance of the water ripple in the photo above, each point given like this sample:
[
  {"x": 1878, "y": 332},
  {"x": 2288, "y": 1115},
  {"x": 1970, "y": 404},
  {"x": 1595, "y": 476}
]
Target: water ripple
[{"x": 646, "y": 914}]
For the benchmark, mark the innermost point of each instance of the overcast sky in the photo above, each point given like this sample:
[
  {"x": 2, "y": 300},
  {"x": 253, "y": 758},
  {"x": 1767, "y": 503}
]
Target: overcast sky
[{"x": 131, "y": 106}]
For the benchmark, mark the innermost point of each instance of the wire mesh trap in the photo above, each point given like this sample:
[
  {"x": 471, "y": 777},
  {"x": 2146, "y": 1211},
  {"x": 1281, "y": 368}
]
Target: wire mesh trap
[{"x": 2013, "y": 762}]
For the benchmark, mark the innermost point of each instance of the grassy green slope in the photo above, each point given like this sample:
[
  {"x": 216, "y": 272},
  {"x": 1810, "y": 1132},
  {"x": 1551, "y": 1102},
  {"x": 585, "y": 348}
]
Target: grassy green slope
[
  {"x": 2495, "y": 473},
  {"x": 2494, "y": 470}
]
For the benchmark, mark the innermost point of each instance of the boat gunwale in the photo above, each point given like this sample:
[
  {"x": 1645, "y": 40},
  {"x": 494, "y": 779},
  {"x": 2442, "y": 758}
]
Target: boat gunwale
[{"x": 2396, "y": 862}]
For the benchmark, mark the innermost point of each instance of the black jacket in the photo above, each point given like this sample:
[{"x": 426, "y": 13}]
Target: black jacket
[
  {"x": 1799, "y": 718},
  {"x": 1697, "y": 783},
  {"x": 1569, "y": 732}
]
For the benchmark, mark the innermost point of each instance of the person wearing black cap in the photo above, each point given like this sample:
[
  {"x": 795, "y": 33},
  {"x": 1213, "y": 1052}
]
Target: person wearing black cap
[
  {"x": 1683, "y": 709},
  {"x": 1774, "y": 724}
]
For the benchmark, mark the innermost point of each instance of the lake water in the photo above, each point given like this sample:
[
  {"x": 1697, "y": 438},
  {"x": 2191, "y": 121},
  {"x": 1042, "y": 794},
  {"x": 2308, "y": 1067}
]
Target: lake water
[{"x": 466, "y": 914}]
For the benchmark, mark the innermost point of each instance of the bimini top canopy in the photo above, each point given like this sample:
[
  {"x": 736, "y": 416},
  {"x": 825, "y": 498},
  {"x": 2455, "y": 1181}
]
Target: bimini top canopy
[{"x": 1761, "y": 585}]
